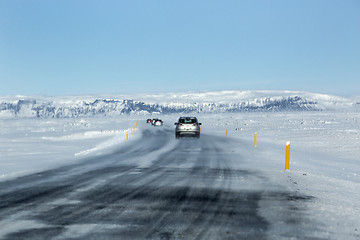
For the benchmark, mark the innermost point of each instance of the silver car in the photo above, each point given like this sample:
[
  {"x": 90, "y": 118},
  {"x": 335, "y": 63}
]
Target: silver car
[{"x": 187, "y": 126}]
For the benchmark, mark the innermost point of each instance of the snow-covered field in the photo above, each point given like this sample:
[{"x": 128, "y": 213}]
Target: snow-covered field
[
  {"x": 325, "y": 152},
  {"x": 30, "y": 145}
]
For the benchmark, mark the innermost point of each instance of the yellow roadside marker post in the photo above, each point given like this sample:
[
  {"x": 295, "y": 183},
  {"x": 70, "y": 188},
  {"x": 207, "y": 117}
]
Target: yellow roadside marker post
[
  {"x": 287, "y": 156},
  {"x": 133, "y": 129},
  {"x": 255, "y": 139},
  {"x": 226, "y": 132},
  {"x": 127, "y": 136}
]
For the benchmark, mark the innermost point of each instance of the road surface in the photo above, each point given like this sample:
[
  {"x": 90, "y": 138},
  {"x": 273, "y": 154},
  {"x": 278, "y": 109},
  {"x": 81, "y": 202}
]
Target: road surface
[{"x": 187, "y": 190}]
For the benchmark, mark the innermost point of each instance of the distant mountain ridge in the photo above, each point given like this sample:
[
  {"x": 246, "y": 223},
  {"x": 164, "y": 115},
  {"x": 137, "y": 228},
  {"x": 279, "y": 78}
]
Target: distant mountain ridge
[{"x": 149, "y": 104}]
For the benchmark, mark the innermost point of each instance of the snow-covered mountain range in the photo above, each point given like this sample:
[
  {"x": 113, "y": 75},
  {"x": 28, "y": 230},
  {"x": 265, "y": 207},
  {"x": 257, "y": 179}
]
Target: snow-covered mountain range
[{"x": 167, "y": 103}]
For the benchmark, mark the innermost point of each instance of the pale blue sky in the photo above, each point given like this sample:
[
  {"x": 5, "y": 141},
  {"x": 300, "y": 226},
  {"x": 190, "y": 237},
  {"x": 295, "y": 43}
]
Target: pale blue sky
[{"x": 70, "y": 47}]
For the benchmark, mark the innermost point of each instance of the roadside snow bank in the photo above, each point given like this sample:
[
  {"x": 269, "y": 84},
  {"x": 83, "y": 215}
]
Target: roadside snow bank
[
  {"x": 87, "y": 135},
  {"x": 33, "y": 145}
]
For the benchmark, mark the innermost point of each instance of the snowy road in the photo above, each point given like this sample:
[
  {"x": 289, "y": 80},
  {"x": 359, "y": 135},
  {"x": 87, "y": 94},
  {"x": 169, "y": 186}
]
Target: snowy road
[{"x": 188, "y": 189}]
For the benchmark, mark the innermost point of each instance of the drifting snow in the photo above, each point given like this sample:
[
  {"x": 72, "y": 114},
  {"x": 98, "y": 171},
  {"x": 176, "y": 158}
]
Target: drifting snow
[{"x": 324, "y": 159}]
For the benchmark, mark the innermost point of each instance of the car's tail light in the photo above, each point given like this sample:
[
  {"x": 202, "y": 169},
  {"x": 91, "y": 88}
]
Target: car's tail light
[
  {"x": 195, "y": 124},
  {"x": 179, "y": 124}
]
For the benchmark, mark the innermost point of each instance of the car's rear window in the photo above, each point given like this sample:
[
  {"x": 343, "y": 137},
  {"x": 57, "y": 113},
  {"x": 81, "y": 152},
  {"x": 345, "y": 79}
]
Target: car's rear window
[{"x": 187, "y": 120}]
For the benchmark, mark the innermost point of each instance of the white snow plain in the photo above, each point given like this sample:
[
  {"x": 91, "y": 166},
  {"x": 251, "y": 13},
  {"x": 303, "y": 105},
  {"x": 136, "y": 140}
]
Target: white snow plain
[{"x": 324, "y": 159}]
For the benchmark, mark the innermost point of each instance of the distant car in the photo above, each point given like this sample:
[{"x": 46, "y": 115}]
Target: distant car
[
  {"x": 158, "y": 122},
  {"x": 153, "y": 121},
  {"x": 187, "y": 126},
  {"x": 149, "y": 120}
]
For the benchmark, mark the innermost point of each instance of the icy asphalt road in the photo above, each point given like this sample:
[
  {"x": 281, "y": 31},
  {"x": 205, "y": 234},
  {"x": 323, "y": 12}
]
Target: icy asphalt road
[{"x": 191, "y": 189}]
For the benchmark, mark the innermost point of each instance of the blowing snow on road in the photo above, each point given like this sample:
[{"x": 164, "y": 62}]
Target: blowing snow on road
[{"x": 157, "y": 187}]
